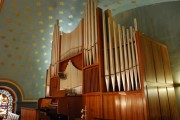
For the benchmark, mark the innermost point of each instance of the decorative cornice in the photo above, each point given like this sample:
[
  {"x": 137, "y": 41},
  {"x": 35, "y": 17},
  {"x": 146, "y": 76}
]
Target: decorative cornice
[{"x": 24, "y": 99}]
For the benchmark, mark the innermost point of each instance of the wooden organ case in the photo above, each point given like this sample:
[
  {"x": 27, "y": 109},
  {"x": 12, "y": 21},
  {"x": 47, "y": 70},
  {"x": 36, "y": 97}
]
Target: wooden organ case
[{"x": 115, "y": 72}]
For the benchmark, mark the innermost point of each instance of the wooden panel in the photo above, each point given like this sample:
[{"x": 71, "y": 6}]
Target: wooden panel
[
  {"x": 93, "y": 106},
  {"x": 158, "y": 63},
  {"x": 134, "y": 109},
  {"x": 91, "y": 80},
  {"x": 141, "y": 112},
  {"x": 166, "y": 63},
  {"x": 118, "y": 106},
  {"x": 53, "y": 86},
  {"x": 172, "y": 104},
  {"x": 29, "y": 114},
  {"x": 148, "y": 63},
  {"x": 153, "y": 104},
  {"x": 109, "y": 106},
  {"x": 70, "y": 106},
  {"x": 123, "y": 107},
  {"x": 129, "y": 105},
  {"x": 164, "y": 104}
]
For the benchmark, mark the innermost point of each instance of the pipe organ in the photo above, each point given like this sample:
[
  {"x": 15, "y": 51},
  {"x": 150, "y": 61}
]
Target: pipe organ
[
  {"x": 120, "y": 55},
  {"x": 90, "y": 34},
  {"x": 116, "y": 68},
  {"x": 71, "y": 43}
]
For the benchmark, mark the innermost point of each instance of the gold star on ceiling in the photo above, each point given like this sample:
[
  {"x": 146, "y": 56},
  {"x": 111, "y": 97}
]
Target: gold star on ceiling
[
  {"x": 39, "y": 69},
  {"x": 29, "y": 59},
  {"x": 11, "y": 30},
  {"x": 34, "y": 44},
  {"x": 29, "y": 18},
  {"x": 61, "y": 12},
  {"x": 41, "y": 31},
  {"x": 24, "y": 42},
  {"x": 9, "y": 55},
  {"x": 39, "y": 13},
  {"x": 20, "y": 56},
  {"x": 14, "y": 39},
  {"x": 12, "y": 64},
  {"x": 15, "y": 74},
  {"x": 22, "y": 66},
  {"x": 133, "y": 1},
  {"x": 44, "y": 53},
  {"x": 31, "y": 27},
  {"x": 50, "y": 26},
  {"x": 20, "y": 24},
  {"x": 46, "y": 61},
  {"x": 31, "y": 68},
  {"x": 33, "y": 36},
  {"x": 41, "y": 22},
  {"x": 8, "y": 20},
  {"x": 72, "y": 8},
  {"x": 50, "y": 17},
  {"x": 43, "y": 46},
  {"x": 6, "y": 46},
  {"x": 17, "y": 15},
  {"x": 5, "y": 73},
  {"x": 27, "y": 50},
  {"x": 43, "y": 39},
  {"x": 42, "y": 77},
  {"x": 22, "y": 33},
  {"x": 50, "y": 8},
  {"x": 34, "y": 76},
  {"x": 2, "y": 36},
  {"x": 38, "y": 60},
  {"x": 36, "y": 52},
  {"x": 14, "y": 5},
  {"x": 61, "y": 3},
  {"x": 1, "y": 63},
  {"x": 39, "y": 93},
  {"x": 17, "y": 48},
  {"x": 38, "y": 4}
]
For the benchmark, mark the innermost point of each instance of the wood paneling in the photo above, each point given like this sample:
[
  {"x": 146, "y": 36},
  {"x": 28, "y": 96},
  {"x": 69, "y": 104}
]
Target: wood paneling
[
  {"x": 172, "y": 103},
  {"x": 158, "y": 63},
  {"x": 29, "y": 113},
  {"x": 153, "y": 104},
  {"x": 166, "y": 63},
  {"x": 93, "y": 107},
  {"x": 91, "y": 79},
  {"x": 109, "y": 106},
  {"x": 160, "y": 99},
  {"x": 124, "y": 107},
  {"x": 70, "y": 106},
  {"x": 147, "y": 60},
  {"x": 164, "y": 104}
]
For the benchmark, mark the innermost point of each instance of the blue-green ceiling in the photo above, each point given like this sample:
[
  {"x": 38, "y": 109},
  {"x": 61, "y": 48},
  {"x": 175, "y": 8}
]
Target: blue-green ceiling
[{"x": 26, "y": 28}]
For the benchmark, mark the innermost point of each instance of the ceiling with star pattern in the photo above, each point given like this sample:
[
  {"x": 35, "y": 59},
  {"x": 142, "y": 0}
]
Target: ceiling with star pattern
[{"x": 26, "y": 28}]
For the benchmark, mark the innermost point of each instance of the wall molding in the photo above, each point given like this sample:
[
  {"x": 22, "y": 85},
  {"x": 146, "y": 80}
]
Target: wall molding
[{"x": 24, "y": 99}]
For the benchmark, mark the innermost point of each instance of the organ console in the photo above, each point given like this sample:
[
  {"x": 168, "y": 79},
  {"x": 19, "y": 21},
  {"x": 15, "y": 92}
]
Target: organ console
[{"x": 110, "y": 69}]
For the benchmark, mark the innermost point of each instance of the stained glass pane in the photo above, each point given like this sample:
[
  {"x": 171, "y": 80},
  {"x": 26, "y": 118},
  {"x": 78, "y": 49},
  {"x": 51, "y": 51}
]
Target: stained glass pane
[{"x": 10, "y": 98}]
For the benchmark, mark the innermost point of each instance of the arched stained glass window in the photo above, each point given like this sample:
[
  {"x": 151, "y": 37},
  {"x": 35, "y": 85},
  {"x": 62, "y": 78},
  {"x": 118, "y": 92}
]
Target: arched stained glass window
[{"x": 10, "y": 98}]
